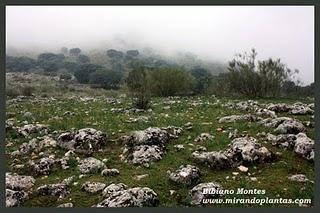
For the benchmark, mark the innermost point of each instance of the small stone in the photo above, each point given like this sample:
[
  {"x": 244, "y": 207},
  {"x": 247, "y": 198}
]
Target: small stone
[
  {"x": 243, "y": 168},
  {"x": 253, "y": 179},
  {"x": 140, "y": 177}
]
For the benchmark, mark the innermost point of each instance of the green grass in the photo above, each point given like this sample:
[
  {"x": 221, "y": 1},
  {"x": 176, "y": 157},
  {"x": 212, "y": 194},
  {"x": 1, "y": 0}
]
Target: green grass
[{"x": 272, "y": 176}]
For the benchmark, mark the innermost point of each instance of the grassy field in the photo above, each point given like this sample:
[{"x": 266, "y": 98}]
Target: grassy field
[{"x": 202, "y": 112}]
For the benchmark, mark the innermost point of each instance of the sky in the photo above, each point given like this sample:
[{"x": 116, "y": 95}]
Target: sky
[{"x": 210, "y": 32}]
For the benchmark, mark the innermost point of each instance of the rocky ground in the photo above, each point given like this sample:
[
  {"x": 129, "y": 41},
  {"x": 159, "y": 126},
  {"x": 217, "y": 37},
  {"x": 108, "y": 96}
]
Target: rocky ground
[{"x": 99, "y": 152}]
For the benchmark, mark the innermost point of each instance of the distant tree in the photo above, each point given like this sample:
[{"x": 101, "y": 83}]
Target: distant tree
[
  {"x": 64, "y": 50},
  {"x": 139, "y": 85},
  {"x": 114, "y": 54},
  {"x": 75, "y": 51},
  {"x": 202, "y": 79},
  {"x": 82, "y": 74},
  {"x": 107, "y": 79},
  {"x": 20, "y": 64},
  {"x": 133, "y": 53},
  {"x": 83, "y": 59},
  {"x": 51, "y": 62},
  {"x": 72, "y": 67}
]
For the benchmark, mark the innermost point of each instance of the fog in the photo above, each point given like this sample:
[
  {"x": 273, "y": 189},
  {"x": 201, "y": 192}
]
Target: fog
[{"x": 210, "y": 32}]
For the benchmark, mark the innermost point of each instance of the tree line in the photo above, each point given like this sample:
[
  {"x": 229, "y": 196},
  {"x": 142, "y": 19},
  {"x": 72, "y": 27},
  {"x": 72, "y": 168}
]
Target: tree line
[{"x": 150, "y": 76}]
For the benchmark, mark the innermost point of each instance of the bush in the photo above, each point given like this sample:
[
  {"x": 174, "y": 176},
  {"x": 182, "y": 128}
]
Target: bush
[
  {"x": 27, "y": 90},
  {"x": 171, "y": 81},
  {"x": 84, "y": 71},
  {"x": 138, "y": 83},
  {"x": 20, "y": 64},
  {"x": 107, "y": 79},
  {"x": 251, "y": 80}
]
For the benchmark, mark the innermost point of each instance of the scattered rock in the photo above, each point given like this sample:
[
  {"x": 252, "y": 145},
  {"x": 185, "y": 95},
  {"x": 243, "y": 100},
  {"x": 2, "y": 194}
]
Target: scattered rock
[
  {"x": 143, "y": 154},
  {"x": 28, "y": 129},
  {"x": 246, "y": 150},
  {"x": 149, "y": 136},
  {"x": 44, "y": 166},
  {"x": 15, "y": 198},
  {"x": 304, "y": 146},
  {"x": 112, "y": 188},
  {"x": 90, "y": 165},
  {"x": 204, "y": 191},
  {"x": 253, "y": 179},
  {"x": 59, "y": 189},
  {"x": 82, "y": 141},
  {"x": 243, "y": 168},
  {"x": 187, "y": 175},
  {"x": 110, "y": 172},
  {"x": 241, "y": 150},
  {"x": 203, "y": 137},
  {"x": 140, "y": 177},
  {"x": 93, "y": 187},
  {"x": 19, "y": 182},
  {"x": 279, "y": 107},
  {"x": 179, "y": 147},
  {"x": 65, "y": 205},
  {"x": 298, "y": 178},
  {"x": 284, "y": 125},
  {"x": 236, "y": 118},
  {"x": 133, "y": 197}
]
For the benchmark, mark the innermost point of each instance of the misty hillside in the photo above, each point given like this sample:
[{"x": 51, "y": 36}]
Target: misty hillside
[{"x": 150, "y": 57}]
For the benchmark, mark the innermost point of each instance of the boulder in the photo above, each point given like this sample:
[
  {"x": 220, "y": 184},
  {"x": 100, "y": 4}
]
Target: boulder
[
  {"x": 19, "y": 182},
  {"x": 246, "y": 150},
  {"x": 216, "y": 160},
  {"x": 186, "y": 175},
  {"x": 84, "y": 140},
  {"x": 90, "y": 165},
  {"x": 286, "y": 141},
  {"x": 112, "y": 188},
  {"x": 304, "y": 146},
  {"x": 280, "y": 107},
  {"x": 93, "y": 187},
  {"x": 204, "y": 191},
  {"x": 273, "y": 122},
  {"x": 243, "y": 150},
  {"x": 44, "y": 166},
  {"x": 110, "y": 172},
  {"x": 236, "y": 118},
  {"x": 15, "y": 198},
  {"x": 132, "y": 197},
  {"x": 149, "y": 136},
  {"x": 298, "y": 178},
  {"x": 28, "y": 129},
  {"x": 143, "y": 154},
  {"x": 60, "y": 190},
  {"x": 283, "y": 125},
  {"x": 265, "y": 112},
  {"x": 290, "y": 127},
  {"x": 301, "y": 109}
]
